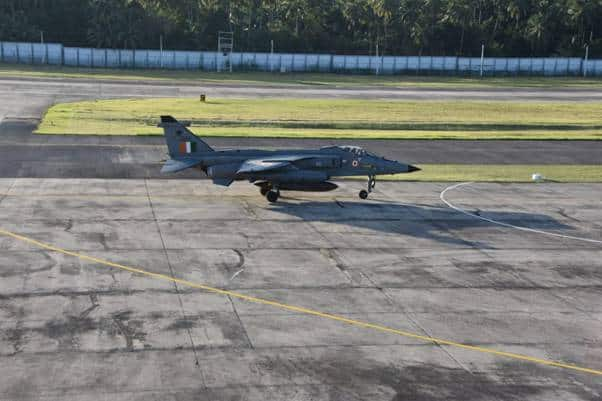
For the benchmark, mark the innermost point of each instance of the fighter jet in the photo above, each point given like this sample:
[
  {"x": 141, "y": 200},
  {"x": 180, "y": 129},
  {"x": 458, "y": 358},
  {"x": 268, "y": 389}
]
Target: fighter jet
[{"x": 274, "y": 170}]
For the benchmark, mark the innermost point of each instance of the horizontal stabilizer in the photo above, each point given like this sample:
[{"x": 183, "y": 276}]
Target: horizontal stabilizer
[{"x": 172, "y": 165}]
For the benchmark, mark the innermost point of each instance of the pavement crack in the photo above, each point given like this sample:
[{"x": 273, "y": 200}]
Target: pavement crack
[
  {"x": 123, "y": 329},
  {"x": 177, "y": 289},
  {"x": 331, "y": 255},
  {"x": 249, "y": 209},
  {"x": 241, "y": 259},
  {"x": 87, "y": 311},
  {"x": 563, "y": 213},
  {"x": 244, "y": 329}
]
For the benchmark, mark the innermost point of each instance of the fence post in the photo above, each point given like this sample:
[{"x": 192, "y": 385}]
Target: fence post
[
  {"x": 62, "y": 55},
  {"x": 1, "y": 51},
  {"x": 31, "y": 55},
  {"x": 106, "y": 61},
  {"x": 330, "y": 69}
]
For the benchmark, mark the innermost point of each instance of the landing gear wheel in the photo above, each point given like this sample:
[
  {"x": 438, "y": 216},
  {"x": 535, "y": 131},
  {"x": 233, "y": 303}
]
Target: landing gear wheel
[
  {"x": 264, "y": 190},
  {"x": 272, "y": 195},
  {"x": 371, "y": 185}
]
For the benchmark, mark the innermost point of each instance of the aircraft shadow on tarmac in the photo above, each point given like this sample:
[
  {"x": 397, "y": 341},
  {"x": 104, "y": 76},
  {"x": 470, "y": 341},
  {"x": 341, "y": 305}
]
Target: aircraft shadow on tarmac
[{"x": 431, "y": 222}]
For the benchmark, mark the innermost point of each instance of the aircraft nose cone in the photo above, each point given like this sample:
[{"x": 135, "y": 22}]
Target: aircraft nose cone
[{"x": 411, "y": 168}]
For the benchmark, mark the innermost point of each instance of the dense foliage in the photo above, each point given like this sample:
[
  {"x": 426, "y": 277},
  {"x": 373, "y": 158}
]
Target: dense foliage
[{"x": 427, "y": 27}]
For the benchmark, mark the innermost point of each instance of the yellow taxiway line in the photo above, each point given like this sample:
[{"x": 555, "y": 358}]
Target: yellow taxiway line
[{"x": 299, "y": 309}]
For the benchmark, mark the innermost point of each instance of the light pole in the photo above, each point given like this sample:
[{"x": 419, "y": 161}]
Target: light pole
[{"x": 161, "y": 51}]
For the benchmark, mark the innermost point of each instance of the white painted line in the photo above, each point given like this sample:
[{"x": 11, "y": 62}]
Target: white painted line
[
  {"x": 501, "y": 223},
  {"x": 236, "y": 274}
]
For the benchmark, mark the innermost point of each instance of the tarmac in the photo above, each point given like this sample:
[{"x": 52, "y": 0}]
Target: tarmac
[
  {"x": 139, "y": 287},
  {"x": 23, "y": 101},
  {"x": 23, "y": 154},
  {"x": 76, "y": 329}
]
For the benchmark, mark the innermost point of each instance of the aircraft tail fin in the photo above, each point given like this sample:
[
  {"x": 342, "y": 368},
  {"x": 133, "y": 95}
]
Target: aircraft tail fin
[{"x": 181, "y": 142}]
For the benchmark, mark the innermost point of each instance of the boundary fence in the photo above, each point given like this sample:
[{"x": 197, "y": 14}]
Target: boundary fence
[{"x": 57, "y": 54}]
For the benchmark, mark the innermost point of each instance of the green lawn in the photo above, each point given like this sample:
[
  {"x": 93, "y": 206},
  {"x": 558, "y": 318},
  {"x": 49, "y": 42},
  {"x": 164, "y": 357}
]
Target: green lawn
[
  {"x": 350, "y": 80},
  {"x": 501, "y": 173},
  {"x": 339, "y": 118}
]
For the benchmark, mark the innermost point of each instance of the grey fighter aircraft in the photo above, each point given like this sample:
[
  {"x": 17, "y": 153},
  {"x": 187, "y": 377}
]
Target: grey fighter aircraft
[{"x": 273, "y": 171}]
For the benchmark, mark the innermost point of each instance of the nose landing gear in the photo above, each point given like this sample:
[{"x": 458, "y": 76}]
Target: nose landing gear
[{"x": 371, "y": 184}]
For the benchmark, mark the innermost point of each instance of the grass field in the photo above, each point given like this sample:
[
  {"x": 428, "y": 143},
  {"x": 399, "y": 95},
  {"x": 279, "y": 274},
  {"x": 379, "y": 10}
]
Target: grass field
[
  {"x": 327, "y": 79},
  {"x": 500, "y": 173},
  {"x": 298, "y": 118}
]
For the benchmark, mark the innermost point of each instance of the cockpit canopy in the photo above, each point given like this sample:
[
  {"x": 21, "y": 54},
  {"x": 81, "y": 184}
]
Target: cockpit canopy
[{"x": 356, "y": 150}]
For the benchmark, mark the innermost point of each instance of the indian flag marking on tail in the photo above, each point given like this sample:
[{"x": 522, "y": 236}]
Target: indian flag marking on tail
[{"x": 187, "y": 147}]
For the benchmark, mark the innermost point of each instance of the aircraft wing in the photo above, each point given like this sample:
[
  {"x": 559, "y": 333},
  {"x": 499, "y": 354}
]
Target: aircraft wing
[
  {"x": 172, "y": 165},
  {"x": 269, "y": 164}
]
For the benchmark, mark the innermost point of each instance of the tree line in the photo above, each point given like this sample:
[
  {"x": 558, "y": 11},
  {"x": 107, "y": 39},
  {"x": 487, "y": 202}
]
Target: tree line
[{"x": 396, "y": 27}]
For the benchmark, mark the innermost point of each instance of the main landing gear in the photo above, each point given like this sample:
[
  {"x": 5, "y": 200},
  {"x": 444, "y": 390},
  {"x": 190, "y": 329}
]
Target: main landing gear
[
  {"x": 272, "y": 195},
  {"x": 270, "y": 192},
  {"x": 371, "y": 184}
]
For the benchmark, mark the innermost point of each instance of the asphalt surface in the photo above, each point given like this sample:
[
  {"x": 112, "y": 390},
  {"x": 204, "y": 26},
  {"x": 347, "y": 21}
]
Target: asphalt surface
[
  {"x": 72, "y": 329},
  {"x": 75, "y": 329},
  {"x": 92, "y": 88},
  {"x": 23, "y": 102},
  {"x": 23, "y": 154}
]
